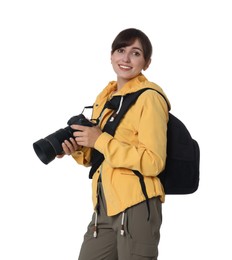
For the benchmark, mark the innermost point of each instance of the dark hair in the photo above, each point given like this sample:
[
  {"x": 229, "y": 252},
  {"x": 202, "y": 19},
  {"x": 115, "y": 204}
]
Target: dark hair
[{"x": 128, "y": 37}]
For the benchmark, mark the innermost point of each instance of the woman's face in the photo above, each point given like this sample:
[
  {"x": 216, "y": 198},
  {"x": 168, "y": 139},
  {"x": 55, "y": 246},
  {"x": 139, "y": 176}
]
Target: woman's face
[{"x": 128, "y": 62}]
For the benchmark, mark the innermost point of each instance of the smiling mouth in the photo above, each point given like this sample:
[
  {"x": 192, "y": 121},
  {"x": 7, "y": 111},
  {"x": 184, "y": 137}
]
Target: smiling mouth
[{"x": 124, "y": 67}]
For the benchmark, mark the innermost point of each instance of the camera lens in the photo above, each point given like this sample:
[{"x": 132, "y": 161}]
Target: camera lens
[
  {"x": 49, "y": 147},
  {"x": 44, "y": 151}
]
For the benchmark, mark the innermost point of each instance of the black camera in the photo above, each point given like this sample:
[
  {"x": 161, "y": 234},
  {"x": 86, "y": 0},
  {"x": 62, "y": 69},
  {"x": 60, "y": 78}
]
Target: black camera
[{"x": 51, "y": 146}]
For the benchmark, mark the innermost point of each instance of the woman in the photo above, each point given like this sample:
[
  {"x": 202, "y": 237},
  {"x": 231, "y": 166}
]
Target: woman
[{"x": 120, "y": 228}]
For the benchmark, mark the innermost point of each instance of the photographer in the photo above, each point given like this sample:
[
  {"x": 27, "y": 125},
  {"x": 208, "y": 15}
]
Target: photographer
[{"x": 120, "y": 227}]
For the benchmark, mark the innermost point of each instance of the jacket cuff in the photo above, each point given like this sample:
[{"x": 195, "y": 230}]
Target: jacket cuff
[{"x": 102, "y": 142}]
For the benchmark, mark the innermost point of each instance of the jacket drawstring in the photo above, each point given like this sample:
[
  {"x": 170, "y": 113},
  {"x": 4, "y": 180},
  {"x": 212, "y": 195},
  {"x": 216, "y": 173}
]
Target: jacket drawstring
[
  {"x": 115, "y": 113},
  {"x": 95, "y": 226},
  {"x": 122, "y": 224},
  {"x": 120, "y": 105}
]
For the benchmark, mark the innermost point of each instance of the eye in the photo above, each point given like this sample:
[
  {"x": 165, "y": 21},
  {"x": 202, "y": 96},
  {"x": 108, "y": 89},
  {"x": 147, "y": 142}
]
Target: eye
[
  {"x": 120, "y": 50},
  {"x": 136, "y": 53}
]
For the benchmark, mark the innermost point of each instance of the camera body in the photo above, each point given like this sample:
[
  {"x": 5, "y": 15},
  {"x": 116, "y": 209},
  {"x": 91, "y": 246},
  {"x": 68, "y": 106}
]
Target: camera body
[{"x": 51, "y": 146}]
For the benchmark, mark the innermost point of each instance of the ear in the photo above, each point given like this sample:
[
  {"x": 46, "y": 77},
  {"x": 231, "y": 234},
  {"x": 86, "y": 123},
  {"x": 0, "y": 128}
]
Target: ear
[{"x": 147, "y": 65}]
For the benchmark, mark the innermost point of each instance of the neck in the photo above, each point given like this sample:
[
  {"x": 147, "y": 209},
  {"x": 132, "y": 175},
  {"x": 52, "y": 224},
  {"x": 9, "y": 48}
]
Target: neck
[{"x": 121, "y": 83}]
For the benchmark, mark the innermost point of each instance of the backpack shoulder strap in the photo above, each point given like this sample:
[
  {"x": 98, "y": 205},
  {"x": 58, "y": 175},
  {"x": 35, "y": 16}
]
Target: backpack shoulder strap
[
  {"x": 111, "y": 125},
  {"x": 128, "y": 101}
]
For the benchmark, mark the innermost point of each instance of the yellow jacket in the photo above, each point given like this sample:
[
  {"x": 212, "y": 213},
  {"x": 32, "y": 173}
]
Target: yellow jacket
[{"x": 139, "y": 143}]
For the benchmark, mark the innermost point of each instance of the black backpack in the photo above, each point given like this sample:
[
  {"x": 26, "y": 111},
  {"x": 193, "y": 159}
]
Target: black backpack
[{"x": 181, "y": 173}]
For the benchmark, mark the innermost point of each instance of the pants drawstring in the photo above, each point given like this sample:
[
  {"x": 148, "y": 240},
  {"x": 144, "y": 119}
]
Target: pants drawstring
[
  {"x": 122, "y": 224},
  {"x": 95, "y": 226}
]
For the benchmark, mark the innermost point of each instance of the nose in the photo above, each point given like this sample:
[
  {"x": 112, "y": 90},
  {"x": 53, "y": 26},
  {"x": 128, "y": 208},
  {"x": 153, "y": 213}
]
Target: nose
[{"x": 126, "y": 57}]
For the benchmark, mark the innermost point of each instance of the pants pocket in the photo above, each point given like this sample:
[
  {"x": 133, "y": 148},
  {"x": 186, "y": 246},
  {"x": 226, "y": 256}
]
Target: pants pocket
[
  {"x": 144, "y": 234},
  {"x": 144, "y": 251}
]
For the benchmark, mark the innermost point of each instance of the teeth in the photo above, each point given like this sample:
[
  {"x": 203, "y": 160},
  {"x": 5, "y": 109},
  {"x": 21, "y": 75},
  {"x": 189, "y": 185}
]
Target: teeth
[{"x": 124, "y": 67}]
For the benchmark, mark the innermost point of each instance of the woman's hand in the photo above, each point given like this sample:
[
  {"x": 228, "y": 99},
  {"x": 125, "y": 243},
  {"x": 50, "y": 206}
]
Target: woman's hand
[
  {"x": 83, "y": 136},
  {"x": 86, "y": 136},
  {"x": 69, "y": 147}
]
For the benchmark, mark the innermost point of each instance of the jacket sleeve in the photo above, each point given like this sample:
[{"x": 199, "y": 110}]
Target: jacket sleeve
[
  {"x": 82, "y": 156},
  {"x": 148, "y": 153}
]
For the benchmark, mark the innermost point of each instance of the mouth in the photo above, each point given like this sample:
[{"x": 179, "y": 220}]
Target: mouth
[{"x": 124, "y": 67}]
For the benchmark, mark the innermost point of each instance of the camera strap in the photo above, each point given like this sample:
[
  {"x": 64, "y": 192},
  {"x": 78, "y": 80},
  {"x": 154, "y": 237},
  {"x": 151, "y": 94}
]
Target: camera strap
[{"x": 86, "y": 107}]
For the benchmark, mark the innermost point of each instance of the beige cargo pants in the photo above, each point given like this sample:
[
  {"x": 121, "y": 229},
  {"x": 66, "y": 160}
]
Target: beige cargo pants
[{"x": 126, "y": 236}]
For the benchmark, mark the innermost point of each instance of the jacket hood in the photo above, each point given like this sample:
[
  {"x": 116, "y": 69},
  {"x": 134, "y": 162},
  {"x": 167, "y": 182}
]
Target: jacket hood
[{"x": 132, "y": 86}]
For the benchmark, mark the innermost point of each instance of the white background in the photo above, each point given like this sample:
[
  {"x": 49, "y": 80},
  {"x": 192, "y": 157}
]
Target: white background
[{"x": 54, "y": 59}]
